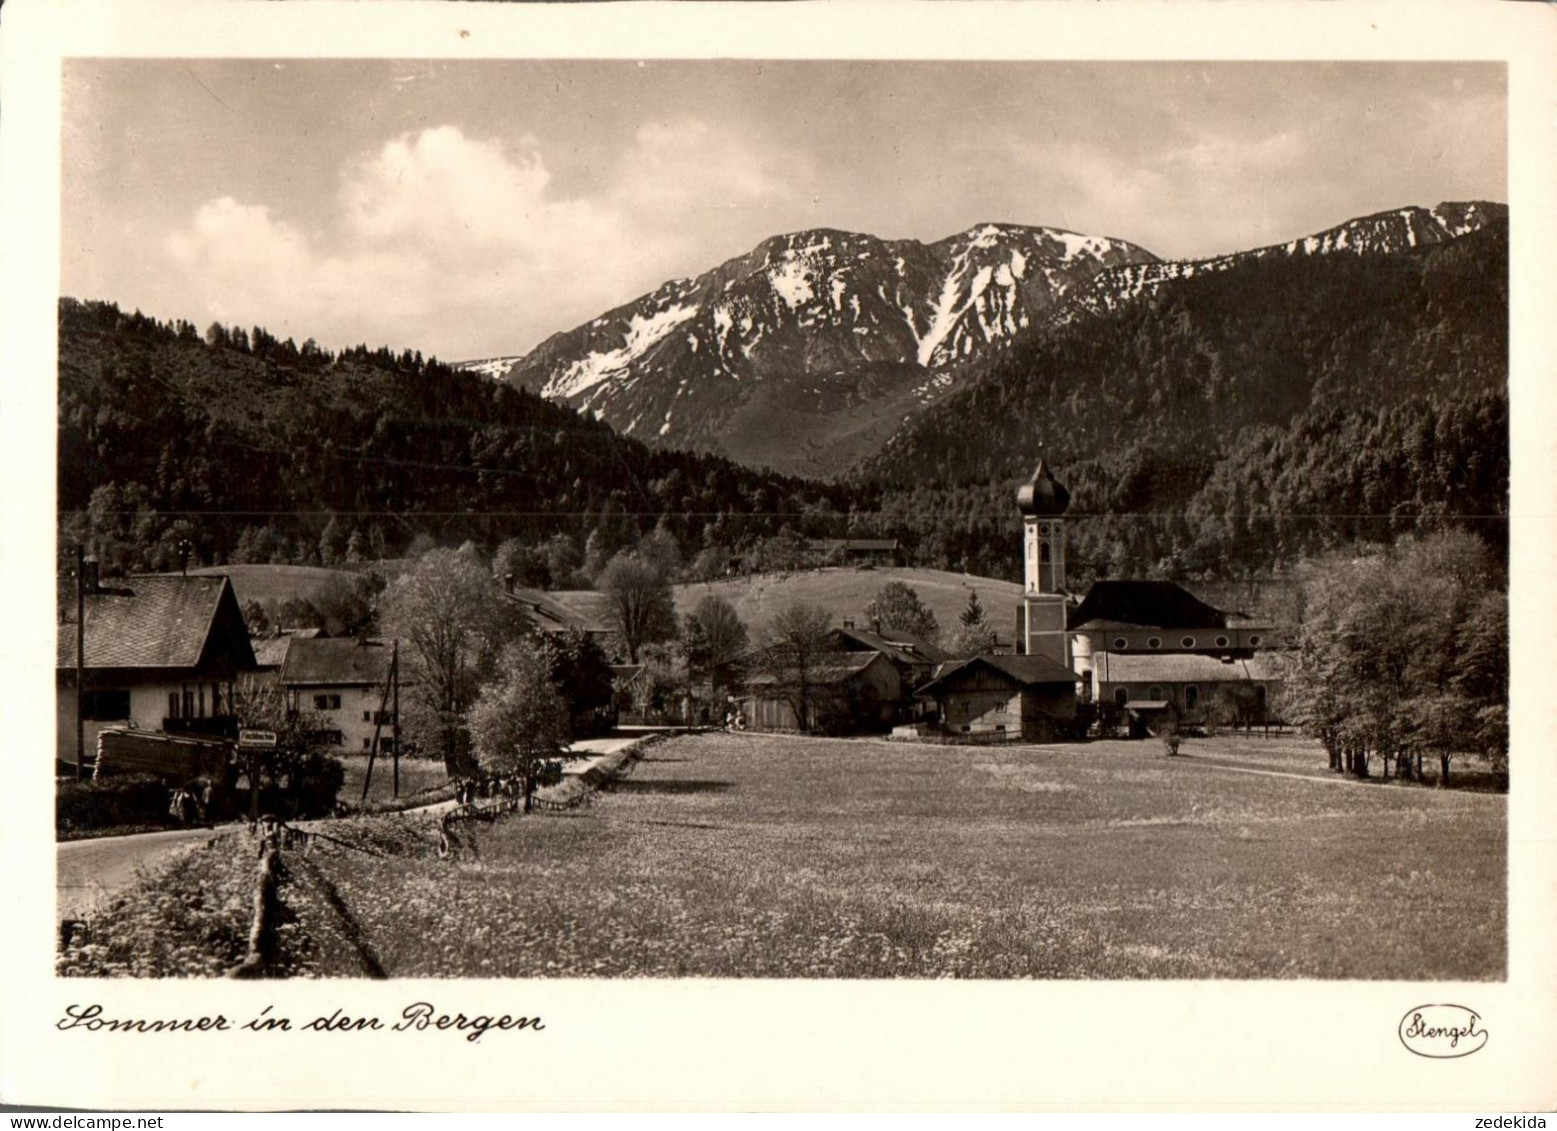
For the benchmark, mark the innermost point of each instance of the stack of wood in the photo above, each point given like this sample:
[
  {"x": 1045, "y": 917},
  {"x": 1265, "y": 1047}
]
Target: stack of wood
[{"x": 124, "y": 751}]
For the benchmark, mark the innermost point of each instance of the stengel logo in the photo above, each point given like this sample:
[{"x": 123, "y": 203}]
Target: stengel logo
[{"x": 1442, "y": 1031}]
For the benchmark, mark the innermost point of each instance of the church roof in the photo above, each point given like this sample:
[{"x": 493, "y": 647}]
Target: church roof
[
  {"x": 1114, "y": 667},
  {"x": 1145, "y": 604},
  {"x": 1042, "y": 495}
]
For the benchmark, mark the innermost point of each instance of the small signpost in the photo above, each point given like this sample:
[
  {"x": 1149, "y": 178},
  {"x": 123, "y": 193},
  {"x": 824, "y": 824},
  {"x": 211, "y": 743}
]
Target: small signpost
[{"x": 254, "y": 741}]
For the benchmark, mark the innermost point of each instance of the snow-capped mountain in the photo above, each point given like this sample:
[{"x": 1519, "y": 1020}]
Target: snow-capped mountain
[
  {"x": 806, "y": 353},
  {"x": 1379, "y": 234},
  {"x": 813, "y": 339}
]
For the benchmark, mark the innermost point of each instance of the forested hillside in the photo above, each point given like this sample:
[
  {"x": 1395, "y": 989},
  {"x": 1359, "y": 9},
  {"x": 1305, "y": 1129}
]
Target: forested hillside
[
  {"x": 1234, "y": 421},
  {"x": 254, "y": 449},
  {"x": 1222, "y": 426}
]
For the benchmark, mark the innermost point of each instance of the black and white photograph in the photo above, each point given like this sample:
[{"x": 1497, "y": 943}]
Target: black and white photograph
[{"x": 842, "y": 522}]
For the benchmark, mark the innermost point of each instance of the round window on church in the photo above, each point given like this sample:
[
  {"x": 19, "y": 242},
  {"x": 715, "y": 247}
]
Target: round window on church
[
  {"x": 1120, "y": 644},
  {"x": 1221, "y": 642},
  {"x": 1187, "y": 642},
  {"x": 1044, "y": 530},
  {"x": 1254, "y": 640},
  {"x": 1154, "y": 642}
]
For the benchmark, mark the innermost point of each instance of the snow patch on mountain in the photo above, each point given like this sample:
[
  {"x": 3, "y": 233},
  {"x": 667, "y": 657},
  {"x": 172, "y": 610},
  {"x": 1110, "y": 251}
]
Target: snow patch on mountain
[
  {"x": 643, "y": 332},
  {"x": 791, "y": 281}
]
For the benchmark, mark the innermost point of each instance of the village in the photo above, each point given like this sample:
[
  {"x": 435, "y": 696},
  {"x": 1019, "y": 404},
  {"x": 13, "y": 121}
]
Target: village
[
  {"x": 191, "y": 721},
  {"x": 172, "y": 656}
]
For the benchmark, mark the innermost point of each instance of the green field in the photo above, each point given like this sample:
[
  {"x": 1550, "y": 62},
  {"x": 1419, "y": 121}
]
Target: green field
[
  {"x": 266, "y": 583},
  {"x": 843, "y": 592},
  {"x": 416, "y": 774},
  {"x": 764, "y": 856}
]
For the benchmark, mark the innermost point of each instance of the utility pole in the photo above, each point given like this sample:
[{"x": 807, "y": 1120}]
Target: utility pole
[
  {"x": 80, "y": 658},
  {"x": 378, "y": 722},
  {"x": 394, "y": 720}
]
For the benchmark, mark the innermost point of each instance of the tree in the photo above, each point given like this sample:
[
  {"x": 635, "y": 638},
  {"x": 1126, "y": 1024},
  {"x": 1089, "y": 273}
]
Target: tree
[
  {"x": 526, "y": 565},
  {"x": 791, "y": 651},
  {"x": 1400, "y": 653},
  {"x": 455, "y": 621},
  {"x": 519, "y": 722},
  {"x": 642, "y": 609},
  {"x": 716, "y": 641},
  {"x": 582, "y": 673},
  {"x": 254, "y": 618},
  {"x": 975, "y": 635},
  {"x": 899, "y": 607},
  {"x": 302, "y": 777}
]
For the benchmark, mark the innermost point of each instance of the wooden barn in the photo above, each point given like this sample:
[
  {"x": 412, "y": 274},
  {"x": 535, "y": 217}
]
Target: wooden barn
[
  {"x": 1024, "y": 697},
  {"x": 837, "y": 692}
]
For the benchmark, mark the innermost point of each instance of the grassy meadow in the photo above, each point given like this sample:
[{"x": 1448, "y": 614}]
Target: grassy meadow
[
  {"x": 843, "y": 591},
  {"x": 726, "y": 855}
]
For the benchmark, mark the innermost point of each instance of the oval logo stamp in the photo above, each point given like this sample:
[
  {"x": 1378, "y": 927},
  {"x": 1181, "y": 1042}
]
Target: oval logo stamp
[{"x": 1442, "y": 1031}]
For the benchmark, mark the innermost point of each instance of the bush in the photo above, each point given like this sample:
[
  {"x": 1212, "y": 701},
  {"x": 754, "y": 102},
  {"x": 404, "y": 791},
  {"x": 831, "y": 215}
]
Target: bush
[
  {"x": 134, "y": 799},
  {"x": 308, "y": 788}
]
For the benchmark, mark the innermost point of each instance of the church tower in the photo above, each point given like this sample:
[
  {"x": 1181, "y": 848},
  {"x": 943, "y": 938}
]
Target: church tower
[{"x": 1042, "y": 501}]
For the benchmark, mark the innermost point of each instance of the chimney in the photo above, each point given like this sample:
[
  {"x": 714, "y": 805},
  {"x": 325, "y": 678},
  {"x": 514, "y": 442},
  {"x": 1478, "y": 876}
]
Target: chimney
[
  {"x": 875, "y": 625},
  {"x": 848, "y": 622},
  {"x": 508, "y": 581}
]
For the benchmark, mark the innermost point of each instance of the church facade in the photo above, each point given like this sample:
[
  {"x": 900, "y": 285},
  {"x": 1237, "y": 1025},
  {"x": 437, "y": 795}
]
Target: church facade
[{"x": 1151, "y": 649}]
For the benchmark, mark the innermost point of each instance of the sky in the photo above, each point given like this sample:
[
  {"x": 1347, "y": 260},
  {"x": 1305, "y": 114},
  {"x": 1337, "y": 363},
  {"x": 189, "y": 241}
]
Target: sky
[{"x": 471, "y": 209}]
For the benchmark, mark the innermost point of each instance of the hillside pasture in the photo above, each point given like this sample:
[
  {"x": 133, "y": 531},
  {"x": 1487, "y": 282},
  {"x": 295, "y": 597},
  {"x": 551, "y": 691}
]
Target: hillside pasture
[
  {"x": 279, "y": 583},
  {"x": 742, "y": 855},
  {"x": 842, "y": 591}
]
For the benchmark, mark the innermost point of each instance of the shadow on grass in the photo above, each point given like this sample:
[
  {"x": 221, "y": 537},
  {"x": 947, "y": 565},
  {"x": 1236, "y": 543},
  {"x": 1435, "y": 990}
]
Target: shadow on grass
[{"x": 631, "y": 785}]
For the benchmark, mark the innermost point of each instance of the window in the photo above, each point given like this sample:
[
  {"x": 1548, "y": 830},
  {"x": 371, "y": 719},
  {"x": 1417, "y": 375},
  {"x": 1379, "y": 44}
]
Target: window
[
  {"x": 1043, "y": 551},
  {"x": 1259, "y": 694},
  {"x": 1154, "y": 693},
  {"x": 1120, "y": 644},
  {"x": 1221, "y": 642},
  {"x": 327, "y": 702},
  {"x": 1191, "y": 698},
  {"x": 173, "y": 704},
  {"x": 1044, "y": 530},
  {"x": 1154, "y": 642},
  {"x": 1121, "y": 696},
  {"x": 1254, "y": 640},
  {"x": 105, "y": 706},
  {"x": 367, "y": 744},
  {"x": 367, "y": 716},
  {"x": 189, "y": 704},
  {"x": 1187, "y": 642}
]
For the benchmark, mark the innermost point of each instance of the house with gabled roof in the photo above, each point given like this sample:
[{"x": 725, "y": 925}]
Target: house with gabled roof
[
  {"x": 830, "y": 693},
  {"x": 342, "y": 683},
  {"x": 1026, "y": 698},
  {"x": 158, "y": 653},
  {"x": 914, "y": 659}
]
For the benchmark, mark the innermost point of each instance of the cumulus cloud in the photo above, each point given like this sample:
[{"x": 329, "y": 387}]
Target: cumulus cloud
[{"x": 453, "y": 244}]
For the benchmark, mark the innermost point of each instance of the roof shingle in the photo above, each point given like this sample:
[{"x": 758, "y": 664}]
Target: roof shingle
[
  {"x": 151, "y": 621},
  {"x": 343, "y": 663}
]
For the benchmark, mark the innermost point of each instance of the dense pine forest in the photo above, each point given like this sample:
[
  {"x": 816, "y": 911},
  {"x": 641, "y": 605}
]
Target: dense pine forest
[
  {"x": 1227, "y": 426},
  {"x": 1235, "y": 422},
  {"x": 250, "y": 449}
]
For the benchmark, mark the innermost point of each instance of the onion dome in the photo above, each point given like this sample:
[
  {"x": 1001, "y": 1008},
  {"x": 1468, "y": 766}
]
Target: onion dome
[{"x": 1042, "y": 495}]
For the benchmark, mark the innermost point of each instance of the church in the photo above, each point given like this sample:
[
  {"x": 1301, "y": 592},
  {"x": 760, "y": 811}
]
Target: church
[{"x": 1150, "y": 649}]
